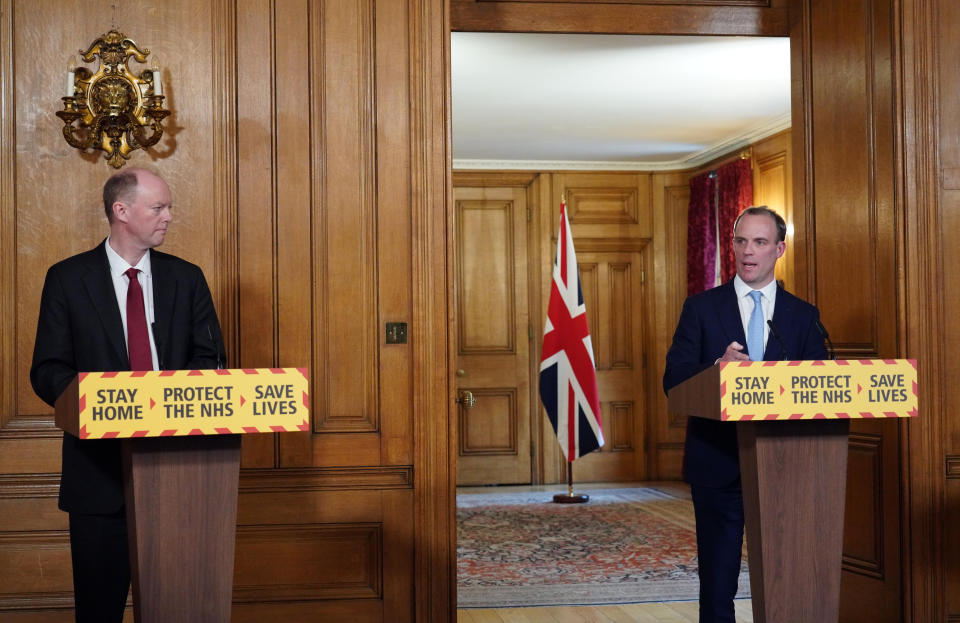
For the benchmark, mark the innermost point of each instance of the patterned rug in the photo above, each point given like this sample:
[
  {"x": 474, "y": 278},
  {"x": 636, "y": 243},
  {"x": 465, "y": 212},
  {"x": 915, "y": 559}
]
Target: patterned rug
[{"x": 623, "y": 546}]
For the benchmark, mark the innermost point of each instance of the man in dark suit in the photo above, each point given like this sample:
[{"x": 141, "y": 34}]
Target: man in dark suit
[
  {"x": 715, "y": 326},
  {"x": 83, "y": 327}
]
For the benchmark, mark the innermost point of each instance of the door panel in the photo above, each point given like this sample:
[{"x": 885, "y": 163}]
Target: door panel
[
  {"x": 492, "y": 336},
  {"x": 613, "y": 294}
]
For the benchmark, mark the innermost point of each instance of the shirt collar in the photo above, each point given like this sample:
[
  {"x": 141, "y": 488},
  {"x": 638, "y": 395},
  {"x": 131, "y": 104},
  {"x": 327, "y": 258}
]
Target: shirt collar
[
  {"x": 769, "y": 291},
  {"x": 118, "y": 265}
]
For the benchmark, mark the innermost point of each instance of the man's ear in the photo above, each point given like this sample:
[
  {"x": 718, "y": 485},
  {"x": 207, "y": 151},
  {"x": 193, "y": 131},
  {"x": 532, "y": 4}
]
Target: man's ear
[
  {"x": 119, "y": 211},
  {"x": 781, "y": 247}
]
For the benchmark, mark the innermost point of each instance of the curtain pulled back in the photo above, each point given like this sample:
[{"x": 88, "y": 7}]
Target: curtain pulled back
[
  {"x": 734, "y": 194},
  {"x": 701, "y": 235}
]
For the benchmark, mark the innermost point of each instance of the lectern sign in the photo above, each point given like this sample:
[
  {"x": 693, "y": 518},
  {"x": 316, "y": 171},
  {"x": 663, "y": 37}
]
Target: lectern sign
[
  {"x": 190, "y": 402},
  {"x": 800, "y": 390}
]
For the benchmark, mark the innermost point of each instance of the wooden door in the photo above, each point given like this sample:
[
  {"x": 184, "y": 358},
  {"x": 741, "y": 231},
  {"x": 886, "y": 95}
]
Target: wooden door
[
  {"x": 613, "y": 294},
  {"x": 492, "y": 336},
  {"x": 611, "y": 219}
]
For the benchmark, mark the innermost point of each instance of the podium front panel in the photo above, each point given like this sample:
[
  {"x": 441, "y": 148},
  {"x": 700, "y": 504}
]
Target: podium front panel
[
  {"x": 814, "y": 390},
  {"x": 167, "y": 403}
]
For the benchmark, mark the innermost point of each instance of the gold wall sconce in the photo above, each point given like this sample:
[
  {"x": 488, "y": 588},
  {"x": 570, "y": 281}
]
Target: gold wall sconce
[{"x": 113, "y": 110}]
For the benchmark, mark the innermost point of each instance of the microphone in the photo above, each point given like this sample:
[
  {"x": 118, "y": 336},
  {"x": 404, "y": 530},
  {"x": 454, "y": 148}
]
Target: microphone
[
  {"x": 826, "y": 336},
  {"x": 156, "y": 340},
  {"x": 216, "y": 347},
  {"x": 776, "y": 336}
]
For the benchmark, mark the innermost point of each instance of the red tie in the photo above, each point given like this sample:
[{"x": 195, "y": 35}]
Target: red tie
[{"x": 138, "y": 340}]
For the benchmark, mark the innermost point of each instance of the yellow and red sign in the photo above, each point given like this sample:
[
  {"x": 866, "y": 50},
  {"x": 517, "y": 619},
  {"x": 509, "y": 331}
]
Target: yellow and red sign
[
  {"x": 191, "y": 402},
  {"x": 808, "y": 390}
]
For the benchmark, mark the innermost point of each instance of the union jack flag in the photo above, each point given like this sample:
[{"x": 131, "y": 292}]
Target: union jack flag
[{"x": 568, "y": 375}]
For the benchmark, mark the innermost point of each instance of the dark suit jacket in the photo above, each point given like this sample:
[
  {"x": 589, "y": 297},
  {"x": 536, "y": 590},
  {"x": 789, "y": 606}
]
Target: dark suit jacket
[
  {"x": 708, "y": 323},
  {"x": 80, "y": 330}
]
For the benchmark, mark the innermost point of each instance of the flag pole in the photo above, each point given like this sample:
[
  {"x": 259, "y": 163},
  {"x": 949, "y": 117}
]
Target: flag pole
[{"x": 570, "y": 497}]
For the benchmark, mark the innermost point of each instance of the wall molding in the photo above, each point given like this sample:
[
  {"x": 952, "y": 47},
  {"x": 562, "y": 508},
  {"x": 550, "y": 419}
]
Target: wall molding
[
  {"x": 953, "y": 467},
  {"x": 8, "y": 220},
  {"x": 300, "y": 480},
  {"x": 20, "y": 486}
]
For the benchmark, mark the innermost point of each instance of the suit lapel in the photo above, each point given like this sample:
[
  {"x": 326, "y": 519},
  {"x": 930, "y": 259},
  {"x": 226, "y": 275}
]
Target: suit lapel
[
  {"x": 164, "y": 300},
  {"x": 781, "y": 310},
  {"x": 730, "y": 315},
  {"x": 99, "y": 287}
]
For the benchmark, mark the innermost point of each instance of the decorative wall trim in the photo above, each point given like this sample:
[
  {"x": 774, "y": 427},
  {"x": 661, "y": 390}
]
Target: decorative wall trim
[
  {"x": 922, "y": 495},
  {"x": 362, "y": 580},
  {"x": 953, "y": 466},
  {"x": 30, "y": 427},
  {"x": 870, "y": 445},
  {"x": 434, "y": 421},
  {"x": 299, "y": 480},
  {"x": 950, "y": 178},
  {"x": 667, "y": 17},
  {"x": 8, "y": 220},
  {"x": 356, "y": 184},
  {"x": 225, "y": 174},
  {"x": 46, "y": 539},
  {"x": 579, "y": 200},
  {"x": 19, "y": 486},
  {"x": 609, "y": 245},
  {"x": 60, "y": 600},
  {"x": 493, "y": 178}
]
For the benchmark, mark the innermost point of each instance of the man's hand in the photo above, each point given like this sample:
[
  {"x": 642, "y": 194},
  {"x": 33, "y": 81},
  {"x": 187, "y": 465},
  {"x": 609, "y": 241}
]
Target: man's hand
[{"x": 734, "y": 352}]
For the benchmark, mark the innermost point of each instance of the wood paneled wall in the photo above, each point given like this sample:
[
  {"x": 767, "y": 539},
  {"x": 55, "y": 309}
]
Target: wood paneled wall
[
  {"x": 307, "y": 155},
  {"x": 847, "y": 185},
  {"x": 307, "y": 121},
  {"x": 930, "y": 141}
]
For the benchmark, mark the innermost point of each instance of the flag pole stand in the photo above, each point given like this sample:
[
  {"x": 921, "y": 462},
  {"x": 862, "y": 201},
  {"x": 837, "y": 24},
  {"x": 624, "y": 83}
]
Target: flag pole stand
[{"x": 570, "y": 497}]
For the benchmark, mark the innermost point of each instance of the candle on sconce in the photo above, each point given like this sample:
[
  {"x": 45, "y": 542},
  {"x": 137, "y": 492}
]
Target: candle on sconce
[
  {"x": 70, "y": 77},
  {"x": 157, "y": 85}
]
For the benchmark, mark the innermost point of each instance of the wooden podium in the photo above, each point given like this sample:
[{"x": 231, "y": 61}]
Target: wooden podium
[
  {"x": 181, "y": 464},
  {"x": 793, "y": 420}
]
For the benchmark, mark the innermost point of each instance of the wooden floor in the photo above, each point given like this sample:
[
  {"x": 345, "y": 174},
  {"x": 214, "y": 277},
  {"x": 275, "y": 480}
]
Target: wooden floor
[{"x": 673, "y": 612}]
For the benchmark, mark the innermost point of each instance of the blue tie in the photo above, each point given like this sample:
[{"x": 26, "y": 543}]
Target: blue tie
[{"x": 755, "y": 328}]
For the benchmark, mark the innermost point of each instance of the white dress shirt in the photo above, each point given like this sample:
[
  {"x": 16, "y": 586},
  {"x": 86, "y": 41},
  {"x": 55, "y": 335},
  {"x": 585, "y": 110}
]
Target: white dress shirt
[
  {"x": 768, "y": 298},
  {"x": 119, "y": 266}
]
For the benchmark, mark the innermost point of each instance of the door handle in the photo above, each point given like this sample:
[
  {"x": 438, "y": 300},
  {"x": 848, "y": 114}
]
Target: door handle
[{"x": 466, "y": 399}]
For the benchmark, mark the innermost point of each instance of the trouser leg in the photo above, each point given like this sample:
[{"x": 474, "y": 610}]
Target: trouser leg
[
  {"x": 719, "y": 515},
  {"x": 101, "y": 566}
]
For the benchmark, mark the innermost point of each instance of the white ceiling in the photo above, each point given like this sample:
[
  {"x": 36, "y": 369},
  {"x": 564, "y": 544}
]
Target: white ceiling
[{"x": 542, "y": 101}]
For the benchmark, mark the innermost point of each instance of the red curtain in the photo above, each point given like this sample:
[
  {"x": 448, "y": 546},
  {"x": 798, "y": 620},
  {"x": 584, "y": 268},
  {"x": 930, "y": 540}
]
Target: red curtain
[
  {"x": 701, "y": 235},
  {"x": 734, "y": 194}
]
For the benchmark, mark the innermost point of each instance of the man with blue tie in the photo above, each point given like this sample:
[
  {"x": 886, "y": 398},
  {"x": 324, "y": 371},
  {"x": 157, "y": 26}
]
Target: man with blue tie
[{"x": 714, "y": 326}]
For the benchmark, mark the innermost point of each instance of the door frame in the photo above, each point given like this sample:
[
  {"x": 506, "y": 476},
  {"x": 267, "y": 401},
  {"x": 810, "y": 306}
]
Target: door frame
[{"x": 917, "y": 174}]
